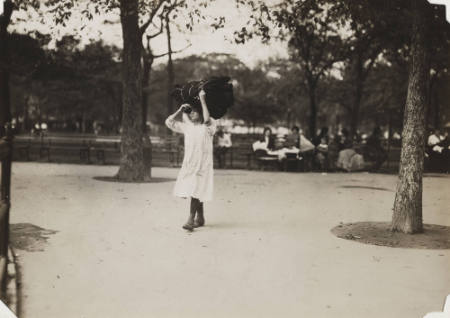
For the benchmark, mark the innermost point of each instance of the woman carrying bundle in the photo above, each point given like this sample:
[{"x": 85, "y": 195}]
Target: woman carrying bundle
[{"x": 195, "y": 179}]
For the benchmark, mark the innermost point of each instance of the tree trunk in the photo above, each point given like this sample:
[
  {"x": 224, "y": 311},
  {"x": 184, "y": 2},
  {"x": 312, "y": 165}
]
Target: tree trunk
[
  {"x": 312, "y": 111},
  {"x": 132, "y": 167},
  {"x": 359, "y": 83},
  {"x": 5, "y": 112},
  {"x": 407, "y": 215},
  {"x": 170, "y": 73},
  {"x": 437, "y": 110},
  {"x": 147, "y": 66}
]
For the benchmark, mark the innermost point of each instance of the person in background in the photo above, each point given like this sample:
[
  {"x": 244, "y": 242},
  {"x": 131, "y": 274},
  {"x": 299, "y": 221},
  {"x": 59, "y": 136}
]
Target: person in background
[
  {"x": 293, "y": 139},
  {"x": 438, "y": 152},
  {"x": 344, "y": 140},
  {"x": 267, "y": 141},
  {"x": 223, "y": 143},
  {"x": 321, "y": 142},
  {"x": 290, "y": 149},
  {"x": 375, "y": 151}
]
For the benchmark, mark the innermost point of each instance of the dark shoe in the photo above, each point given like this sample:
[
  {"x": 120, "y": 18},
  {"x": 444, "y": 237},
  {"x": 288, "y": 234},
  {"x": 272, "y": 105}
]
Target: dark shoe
[
  {"x": 199, "y": 222},
  {"x": 189, "y": 226}
]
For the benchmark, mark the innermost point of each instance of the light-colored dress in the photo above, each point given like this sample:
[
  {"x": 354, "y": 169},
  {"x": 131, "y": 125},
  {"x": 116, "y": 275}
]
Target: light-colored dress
[{"x": 195, "y": 178}]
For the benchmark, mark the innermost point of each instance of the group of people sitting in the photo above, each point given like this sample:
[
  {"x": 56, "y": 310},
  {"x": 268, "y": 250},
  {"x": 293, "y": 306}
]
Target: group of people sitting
[
  {"x": 324, "y": 152},
  {"x": 327, "y": 152},
  {"x": 437, "y": 152}
]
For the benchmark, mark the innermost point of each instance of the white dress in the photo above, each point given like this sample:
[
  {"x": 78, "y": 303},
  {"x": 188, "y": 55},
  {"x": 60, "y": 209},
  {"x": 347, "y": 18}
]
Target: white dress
[{"x": 195, "y": 178}]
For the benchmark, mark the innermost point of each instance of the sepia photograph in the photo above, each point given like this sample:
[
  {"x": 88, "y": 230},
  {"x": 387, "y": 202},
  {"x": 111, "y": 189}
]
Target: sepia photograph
[{"x": 224, "y": 158}]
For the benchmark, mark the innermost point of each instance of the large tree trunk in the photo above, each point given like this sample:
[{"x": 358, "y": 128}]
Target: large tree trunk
[
  {"x": 147, "y": 66},
  {"x": 5, "y": 19},
  {"x": 357, "y": 97},
  {"x": 407, "y": 215},
  {"x": 132, "y": 167},
  {"x": 312, "y": 111},
  {"x": 170, "y": 73}
]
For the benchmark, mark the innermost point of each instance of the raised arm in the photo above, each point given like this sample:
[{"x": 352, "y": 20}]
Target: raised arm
[
  {"x": 205, "y": 110},
  {"x": 172, "y": 122}
]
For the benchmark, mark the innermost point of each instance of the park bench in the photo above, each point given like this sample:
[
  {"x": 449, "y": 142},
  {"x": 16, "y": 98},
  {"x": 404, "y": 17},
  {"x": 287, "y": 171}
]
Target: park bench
[
  {"x": 293, "y": 162},
  {"x": 264, "y": 160},
  {"x": 226, "y": 157},
  {"x": 64, "y": 144},
  {"x": 23, "y": 145},
  {"x": 106, "y": 146},
  {"x": 100, "y": 146},
  {"x": 169, "y": 146}
]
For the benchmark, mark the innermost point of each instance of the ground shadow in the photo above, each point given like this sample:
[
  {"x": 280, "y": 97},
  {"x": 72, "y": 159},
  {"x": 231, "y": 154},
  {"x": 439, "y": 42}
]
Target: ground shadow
[
  {"x": 28, "y": 237},
  {"x": 365, "y": 187},
  {"x": 115, "y": 179},
  {"x": 378, "y": 233},
  {"x": 435, "y": 175}
]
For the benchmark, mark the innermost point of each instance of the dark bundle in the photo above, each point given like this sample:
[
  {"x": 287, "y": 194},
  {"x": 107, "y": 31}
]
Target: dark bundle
[{"x": 219, "y": 95}]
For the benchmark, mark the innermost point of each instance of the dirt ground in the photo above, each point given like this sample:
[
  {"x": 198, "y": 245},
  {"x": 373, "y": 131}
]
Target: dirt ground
[
  {"x": 88, "y": 247},
  {"x": 379, "y": 233}
]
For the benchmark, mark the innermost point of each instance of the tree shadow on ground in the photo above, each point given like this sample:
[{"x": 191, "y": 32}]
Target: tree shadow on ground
[
  {"x": 435, "y": 175},
  {"x": 365, "y": 187},
  {"x": 434, "y": 237},
  {"x": 29, "y": 237},
  {"x": 115, "y": 179}
]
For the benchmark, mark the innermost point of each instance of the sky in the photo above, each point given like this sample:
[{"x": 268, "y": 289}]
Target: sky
[{"x": 203, "y": 39}]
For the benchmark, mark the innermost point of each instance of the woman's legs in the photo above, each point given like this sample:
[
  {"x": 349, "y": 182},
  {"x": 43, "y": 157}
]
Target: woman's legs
[
  {"x": 200, "y": 220},
  {"x": 193, "y": 209}
]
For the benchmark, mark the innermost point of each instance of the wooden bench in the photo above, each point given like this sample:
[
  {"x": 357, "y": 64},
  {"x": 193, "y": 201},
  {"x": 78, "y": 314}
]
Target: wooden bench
[
  {"x": 293, "y": 160},
  {"x": 170, "y": 146},
  {"x": 265, "y": 160},
  {"x": 100, "y": 146},
  {"x": 64, "y": 144},
  {"x": 25, "y": 145}
]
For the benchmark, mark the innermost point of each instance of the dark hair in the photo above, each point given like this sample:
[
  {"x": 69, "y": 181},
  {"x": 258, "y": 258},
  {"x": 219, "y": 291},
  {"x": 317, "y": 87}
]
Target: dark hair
[
  {"x": 296, "y": 128},
  {"x": 271, "y": 144},
  {"x": 267, "y": 129},
  {"x": 376, "y": 131},
  {"x": 323, "y": 131}
]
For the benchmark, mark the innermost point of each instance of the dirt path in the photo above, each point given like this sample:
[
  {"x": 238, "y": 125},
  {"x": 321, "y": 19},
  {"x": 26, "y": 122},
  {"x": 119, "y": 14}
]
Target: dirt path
[{"x": 117, "y": 250}]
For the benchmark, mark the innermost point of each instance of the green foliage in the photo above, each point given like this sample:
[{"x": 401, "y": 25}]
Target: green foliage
[{"x": 66, "y": 84}]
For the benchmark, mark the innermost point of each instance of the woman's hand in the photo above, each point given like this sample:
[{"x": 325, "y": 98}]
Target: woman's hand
[
  {"x": 184, "y": 107},
  {"x": 202, "y": 93}
]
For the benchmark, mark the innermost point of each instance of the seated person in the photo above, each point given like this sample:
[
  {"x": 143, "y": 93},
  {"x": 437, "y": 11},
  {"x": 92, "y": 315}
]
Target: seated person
[
  {"x": 296, "y": 144},
  {"x": 349, "y": 160},
  {"x": 344, "y": 140},
  {"x": 438, "y": 151},
  {"x": 223, "y": 143},
  {"x": 267, "y": 141},
  {"x": 293, "y": 139},
  {"x": 374, "y": 151},
  {"x": 321, "y": 143},
  {"x": 333, "y": 152}
]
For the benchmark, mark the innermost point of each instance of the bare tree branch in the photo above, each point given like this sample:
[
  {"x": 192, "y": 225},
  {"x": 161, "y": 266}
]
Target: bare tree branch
[
  {"x": 173, "y": 52},
  {"x": 153, "y": 13},
  {"x": 154, "y": 35}
]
